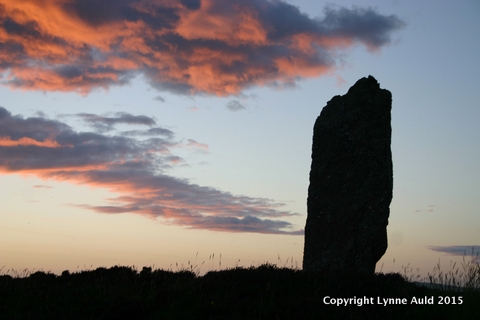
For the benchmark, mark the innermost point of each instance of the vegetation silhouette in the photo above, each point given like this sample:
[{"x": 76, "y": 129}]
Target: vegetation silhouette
[{"x": 264, "y": 292}]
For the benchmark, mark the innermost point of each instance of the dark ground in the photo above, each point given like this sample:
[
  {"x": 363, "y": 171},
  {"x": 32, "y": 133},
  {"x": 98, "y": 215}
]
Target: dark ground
[{"x": 265, "y": 292}]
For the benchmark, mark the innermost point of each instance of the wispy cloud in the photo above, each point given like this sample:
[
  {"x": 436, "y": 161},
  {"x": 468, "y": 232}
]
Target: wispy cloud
[
  {"x": 106, "y": 123},
  {"x": 134, "y": 169},
  {"x": 150, "y": 132},
  {"x": 192, "y": 144},
  {"x": 235, "y": 105},
  {"x": 159, "y": 98},
  {"x": 186, "y": 47},
  {"x": 456, "y": 250},
  {"x": 41, "y": 186}
]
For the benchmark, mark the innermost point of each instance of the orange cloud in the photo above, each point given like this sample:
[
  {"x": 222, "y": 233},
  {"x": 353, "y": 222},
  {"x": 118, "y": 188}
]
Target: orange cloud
[
  {"x": 213, "y": 46},
  {"x": 225, "y": 21},
  {"x": 25, "y": 141}
]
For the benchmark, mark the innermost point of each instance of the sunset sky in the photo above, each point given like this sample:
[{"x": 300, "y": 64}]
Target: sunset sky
[{"x": 166, "y": 133}]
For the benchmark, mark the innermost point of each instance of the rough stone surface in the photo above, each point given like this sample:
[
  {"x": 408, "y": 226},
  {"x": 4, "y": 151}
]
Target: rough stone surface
[{"x": 351, "y": 182}]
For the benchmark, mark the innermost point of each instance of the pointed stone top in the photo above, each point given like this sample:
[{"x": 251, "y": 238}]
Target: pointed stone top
[{"x": 365, "y": 84}]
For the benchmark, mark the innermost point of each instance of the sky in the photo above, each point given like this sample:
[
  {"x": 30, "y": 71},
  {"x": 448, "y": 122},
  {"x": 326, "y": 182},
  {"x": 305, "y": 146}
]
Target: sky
[{"x": 177, "y": 134}]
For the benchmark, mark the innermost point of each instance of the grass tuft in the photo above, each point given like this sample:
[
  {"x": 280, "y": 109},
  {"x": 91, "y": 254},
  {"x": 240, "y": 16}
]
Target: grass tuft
[{"x": 460, "y": 279}]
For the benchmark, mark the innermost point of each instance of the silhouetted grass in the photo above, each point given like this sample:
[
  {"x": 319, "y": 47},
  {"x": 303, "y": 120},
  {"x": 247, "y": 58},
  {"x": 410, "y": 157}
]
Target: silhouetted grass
[
  {"x": 461, "y": 279},
  {"x": 263, "y": 292}
]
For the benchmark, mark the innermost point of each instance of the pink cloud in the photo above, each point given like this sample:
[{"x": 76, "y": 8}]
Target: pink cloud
[{"x": 133, "y": 169}]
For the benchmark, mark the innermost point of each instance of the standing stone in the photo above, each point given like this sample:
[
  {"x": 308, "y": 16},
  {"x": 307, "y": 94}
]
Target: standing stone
[{"x": 351, "y": 182}]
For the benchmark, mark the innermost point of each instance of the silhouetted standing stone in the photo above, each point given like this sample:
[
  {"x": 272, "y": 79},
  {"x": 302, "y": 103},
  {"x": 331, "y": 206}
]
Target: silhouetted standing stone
[{"x": 351, "y": 181}]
